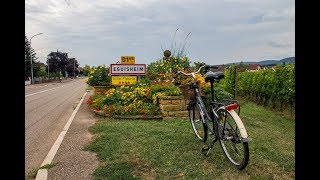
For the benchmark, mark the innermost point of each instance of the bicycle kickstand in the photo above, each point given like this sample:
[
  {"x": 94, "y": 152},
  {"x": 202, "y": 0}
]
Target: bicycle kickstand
[{"x": 208, "y": 149}]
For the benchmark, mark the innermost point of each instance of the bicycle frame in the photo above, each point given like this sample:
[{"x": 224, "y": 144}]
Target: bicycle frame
[
  {"x": 203, "y": 111},
  {"x": 214, "y": 116}
]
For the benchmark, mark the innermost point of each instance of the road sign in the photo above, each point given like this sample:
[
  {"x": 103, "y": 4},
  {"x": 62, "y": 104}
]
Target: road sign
[
  {"x": 127, "y": 69},
  {"x": 119, "y": 80},
  {"x": 128, "y": 60}
]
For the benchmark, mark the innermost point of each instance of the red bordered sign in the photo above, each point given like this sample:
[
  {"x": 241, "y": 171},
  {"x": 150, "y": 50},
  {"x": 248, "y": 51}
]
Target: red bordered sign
[{"x": 128, "y": 69}]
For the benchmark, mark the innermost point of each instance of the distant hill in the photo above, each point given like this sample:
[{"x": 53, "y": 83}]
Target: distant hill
[{"x": 288, "y": 60}]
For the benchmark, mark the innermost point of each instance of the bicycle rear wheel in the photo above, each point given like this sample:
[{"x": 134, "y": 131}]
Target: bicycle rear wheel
[
  {"x": 199, "y": 129},
  {"x": 234, "y": 149}
]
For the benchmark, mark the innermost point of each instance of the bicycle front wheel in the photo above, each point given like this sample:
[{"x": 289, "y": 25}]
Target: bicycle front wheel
[
  {"x": 234, "y": 149},
  {"x": 199, "y": 128}
]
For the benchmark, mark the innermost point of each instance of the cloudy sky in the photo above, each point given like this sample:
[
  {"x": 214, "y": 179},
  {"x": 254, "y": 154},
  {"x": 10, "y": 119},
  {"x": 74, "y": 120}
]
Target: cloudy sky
[{"x": 98, "y": 32}]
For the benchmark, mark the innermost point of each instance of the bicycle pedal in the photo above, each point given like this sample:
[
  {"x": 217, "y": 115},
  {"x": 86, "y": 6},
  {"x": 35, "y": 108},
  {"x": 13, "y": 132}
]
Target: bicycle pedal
[{"x": 205, "y": 148}]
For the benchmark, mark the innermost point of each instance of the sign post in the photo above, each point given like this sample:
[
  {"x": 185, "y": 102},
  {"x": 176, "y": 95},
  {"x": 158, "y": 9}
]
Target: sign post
[
  {"x": 127, "y": 72},
  {"x": 119, "y": 80},
  {"x": 128, "y": 60},
  {"x": 127, "y": 69}
]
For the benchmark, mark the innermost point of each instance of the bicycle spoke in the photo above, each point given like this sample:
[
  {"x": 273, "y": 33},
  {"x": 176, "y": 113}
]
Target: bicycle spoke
[
  {"x": 198, "y": 127},
  {"x": 234, "y": 149}
]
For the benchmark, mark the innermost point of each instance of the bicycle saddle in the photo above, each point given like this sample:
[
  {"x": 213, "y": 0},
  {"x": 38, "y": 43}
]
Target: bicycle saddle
[{"x": 213, "y": 75}]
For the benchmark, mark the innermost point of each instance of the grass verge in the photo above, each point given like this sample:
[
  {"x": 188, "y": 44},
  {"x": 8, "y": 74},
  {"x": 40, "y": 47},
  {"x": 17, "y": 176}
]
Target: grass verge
[
  {"x": 140, "y": 149},
  {"x": 33, "y": 173}
]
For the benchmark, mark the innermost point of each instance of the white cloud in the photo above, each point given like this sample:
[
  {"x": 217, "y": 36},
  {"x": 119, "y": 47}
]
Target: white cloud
[{"x": 101, "y": 31}]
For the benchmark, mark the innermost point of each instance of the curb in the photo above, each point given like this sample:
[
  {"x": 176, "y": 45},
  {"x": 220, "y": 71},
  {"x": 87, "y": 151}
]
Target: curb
[{"x": 143, "y": 117}]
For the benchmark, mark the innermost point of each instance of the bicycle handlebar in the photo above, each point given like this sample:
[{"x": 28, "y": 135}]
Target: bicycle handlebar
[{"x": 193, "y": 73}]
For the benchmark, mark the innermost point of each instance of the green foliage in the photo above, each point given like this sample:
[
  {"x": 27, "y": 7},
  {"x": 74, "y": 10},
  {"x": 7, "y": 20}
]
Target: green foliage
[
  {"x": 58, "y": 62},
  {"x": 125, "y": 100},
  {"x": 229, "y": 79},
  {"x": 86, "y": 70},
  {"x": 72, "y": 66},
  {"x": 41, "y": 72},
  {"x": 264, "y": 86},
  {"x": 163, "y": 69},
  {"x": 219, "y": 94},
  {"x": 168, "y": 90},
  {"x": 29, "y": 54},
  {"x": 99, "y": 76}
]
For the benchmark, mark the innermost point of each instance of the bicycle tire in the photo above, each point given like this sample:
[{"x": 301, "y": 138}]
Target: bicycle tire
[
  {"x": 234, "y": 149},
  {"x": 199, "y": 128}
]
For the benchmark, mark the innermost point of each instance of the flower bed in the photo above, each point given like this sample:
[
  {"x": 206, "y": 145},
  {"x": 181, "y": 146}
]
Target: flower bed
[
  {"x": 134, "y": 100},
  {"x": 153, "y": 97}
]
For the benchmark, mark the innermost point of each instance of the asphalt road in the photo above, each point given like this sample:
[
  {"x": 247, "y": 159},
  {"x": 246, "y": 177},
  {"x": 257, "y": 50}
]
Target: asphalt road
[{"x": 47, "y": 109}]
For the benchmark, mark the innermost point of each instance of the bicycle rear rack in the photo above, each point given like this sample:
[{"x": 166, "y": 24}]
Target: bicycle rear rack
[{"x": 228, "y": 102}]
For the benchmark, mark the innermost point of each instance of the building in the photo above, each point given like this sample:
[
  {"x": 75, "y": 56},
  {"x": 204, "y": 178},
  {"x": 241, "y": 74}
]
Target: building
[{"x": 254, "y": 67}]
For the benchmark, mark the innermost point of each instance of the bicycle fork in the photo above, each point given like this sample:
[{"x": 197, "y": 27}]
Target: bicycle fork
[{"x": 201, "y": 113}]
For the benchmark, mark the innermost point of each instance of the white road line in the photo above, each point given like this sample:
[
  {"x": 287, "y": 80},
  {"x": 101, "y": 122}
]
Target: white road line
[
  {"x": 43, "y": 91},
  {"x": 43, "y": 173}
]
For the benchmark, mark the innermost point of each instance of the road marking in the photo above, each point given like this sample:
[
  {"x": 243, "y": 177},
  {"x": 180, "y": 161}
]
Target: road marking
[
  {"x": 43, "y": 91},
  {"x": 43, "y": 173}
]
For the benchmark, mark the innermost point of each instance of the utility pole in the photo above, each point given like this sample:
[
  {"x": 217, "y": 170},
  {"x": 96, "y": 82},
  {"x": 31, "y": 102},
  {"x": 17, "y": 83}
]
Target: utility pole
[
  {"x": 74, "y": 68},
  {"x": 48, "y": 69}
]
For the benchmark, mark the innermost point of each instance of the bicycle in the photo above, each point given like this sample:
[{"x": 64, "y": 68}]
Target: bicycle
[{"x": 222, "y": 121}]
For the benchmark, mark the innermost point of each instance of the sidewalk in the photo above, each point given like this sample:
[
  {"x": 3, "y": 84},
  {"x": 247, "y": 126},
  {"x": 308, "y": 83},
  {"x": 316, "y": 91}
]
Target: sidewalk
[
  {"x": 28, "y": 83},
  {"x": 71, "y": 161}
]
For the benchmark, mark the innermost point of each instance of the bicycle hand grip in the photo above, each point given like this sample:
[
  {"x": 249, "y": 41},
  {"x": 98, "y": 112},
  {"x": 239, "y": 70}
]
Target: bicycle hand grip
[{"x": 175, "y": 76}]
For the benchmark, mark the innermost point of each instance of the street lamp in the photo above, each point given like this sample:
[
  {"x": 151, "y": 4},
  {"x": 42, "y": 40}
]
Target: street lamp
[{"x": 31, "y": 57}]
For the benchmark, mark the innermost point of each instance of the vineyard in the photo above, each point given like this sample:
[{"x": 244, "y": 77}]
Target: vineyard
[{"x": 269, "y": 87}]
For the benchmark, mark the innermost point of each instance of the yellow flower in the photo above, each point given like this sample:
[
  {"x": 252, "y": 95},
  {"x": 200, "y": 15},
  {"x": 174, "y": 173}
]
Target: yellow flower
[
  {"x": 200, "y": 78},
  {"x": 184, "y": 59}
]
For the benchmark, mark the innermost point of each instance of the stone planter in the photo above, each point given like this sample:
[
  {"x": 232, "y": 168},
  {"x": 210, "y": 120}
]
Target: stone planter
[{"x": 173, "y": 106}]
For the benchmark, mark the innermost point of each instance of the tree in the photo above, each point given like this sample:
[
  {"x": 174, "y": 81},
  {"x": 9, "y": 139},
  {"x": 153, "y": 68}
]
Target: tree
[
  {"x": 241, "y": 67},
  {"x": 42, "y": 70},
  {"x": 86, "y": 70},
  {"x": 29, "y": 50},
  {"x": 57, "y": 62},
  {"x": 72, "y": 67},
  {"x": 80, "y": 70}
]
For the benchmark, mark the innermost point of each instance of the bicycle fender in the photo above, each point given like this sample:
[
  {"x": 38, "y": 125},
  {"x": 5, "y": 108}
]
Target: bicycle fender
[{"x": 239, "y": 123}]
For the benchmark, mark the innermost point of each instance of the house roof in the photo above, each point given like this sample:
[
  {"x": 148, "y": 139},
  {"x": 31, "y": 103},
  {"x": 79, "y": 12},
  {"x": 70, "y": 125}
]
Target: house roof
[{"x": 254, "y": 66}]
